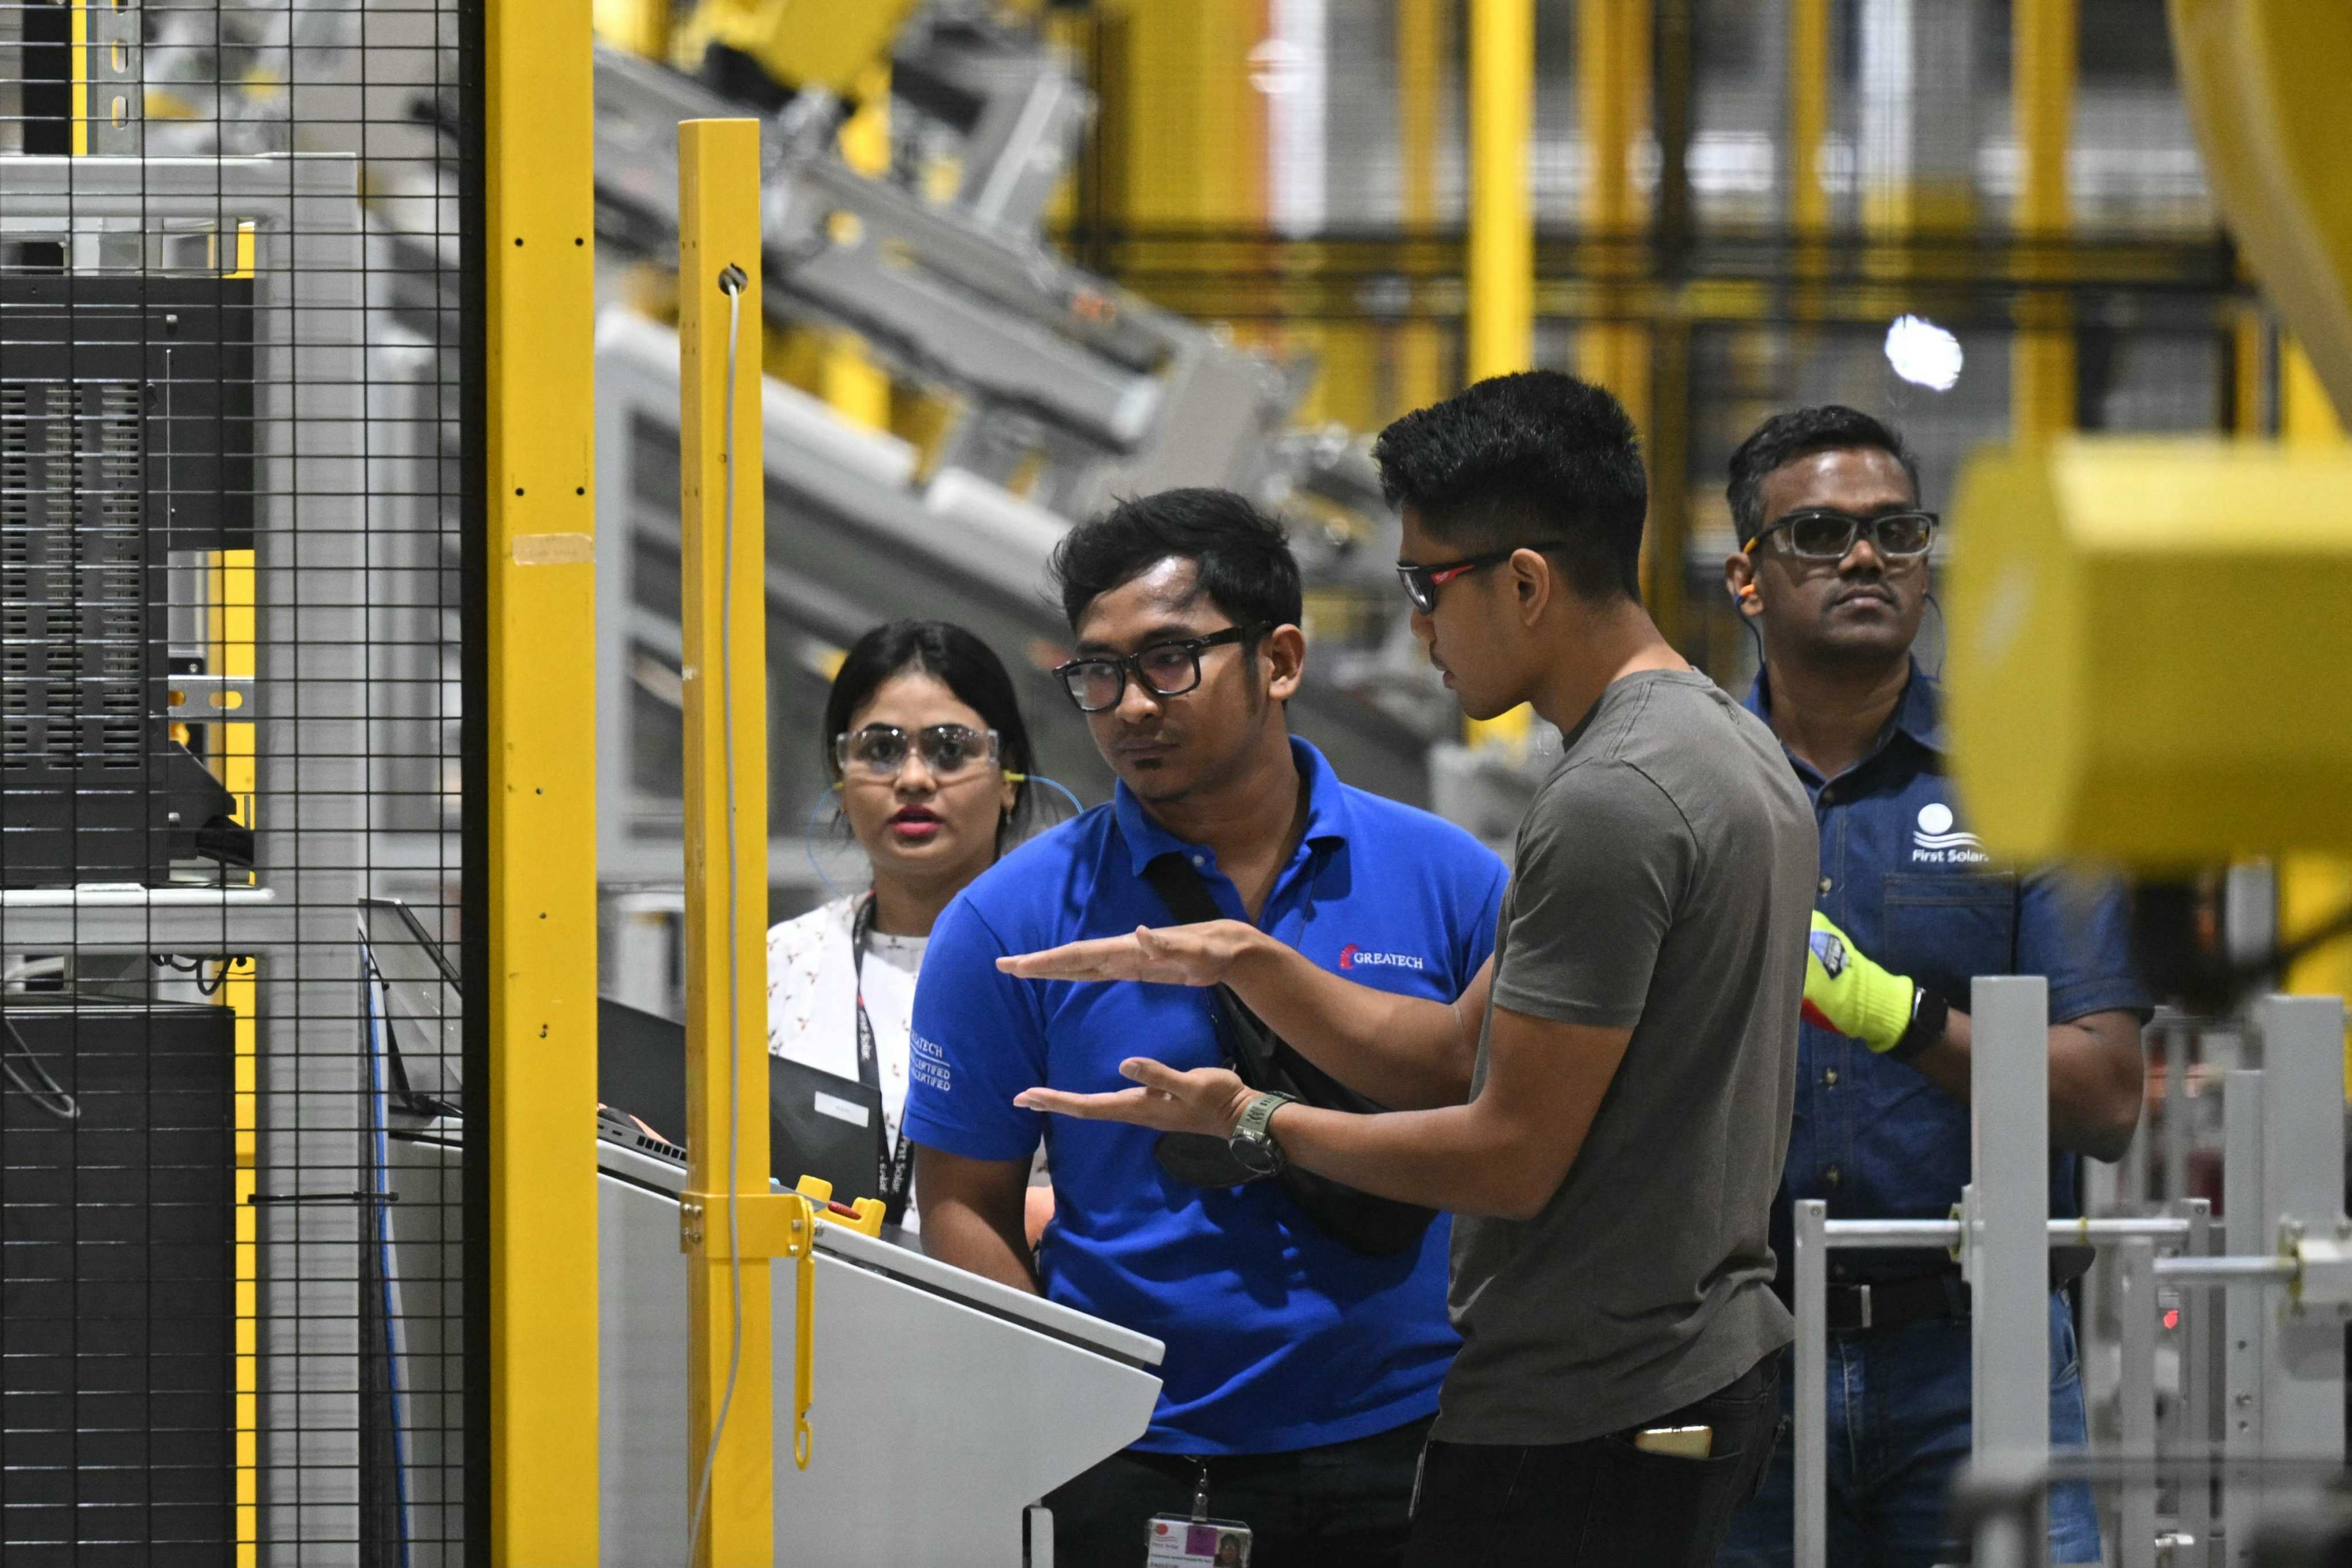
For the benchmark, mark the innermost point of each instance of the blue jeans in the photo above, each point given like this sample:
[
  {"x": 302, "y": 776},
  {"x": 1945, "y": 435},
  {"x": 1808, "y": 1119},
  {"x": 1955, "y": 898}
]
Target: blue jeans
[{"x": 1898, "y": 1431}]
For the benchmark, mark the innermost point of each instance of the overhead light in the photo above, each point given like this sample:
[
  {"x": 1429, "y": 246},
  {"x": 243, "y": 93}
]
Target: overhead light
[{"x": 1923, "y": 353}]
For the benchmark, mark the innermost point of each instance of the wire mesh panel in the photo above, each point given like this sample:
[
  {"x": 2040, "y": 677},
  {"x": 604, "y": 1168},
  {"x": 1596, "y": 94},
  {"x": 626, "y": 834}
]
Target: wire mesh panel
[{"x": 232, "y": 318}]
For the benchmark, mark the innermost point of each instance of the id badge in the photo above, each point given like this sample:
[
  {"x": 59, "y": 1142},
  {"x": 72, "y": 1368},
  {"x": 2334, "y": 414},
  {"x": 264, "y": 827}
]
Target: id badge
[{"x": 1177, "y": 1543}]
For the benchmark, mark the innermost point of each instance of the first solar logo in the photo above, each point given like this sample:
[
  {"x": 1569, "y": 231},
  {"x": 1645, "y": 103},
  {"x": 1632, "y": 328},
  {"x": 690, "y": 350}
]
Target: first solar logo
[{"x": 1351, "y": 957}]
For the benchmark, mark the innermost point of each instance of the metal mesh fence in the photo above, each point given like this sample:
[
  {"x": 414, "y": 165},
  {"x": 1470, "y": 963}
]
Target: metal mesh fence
[{"x": 230, "y": 461}]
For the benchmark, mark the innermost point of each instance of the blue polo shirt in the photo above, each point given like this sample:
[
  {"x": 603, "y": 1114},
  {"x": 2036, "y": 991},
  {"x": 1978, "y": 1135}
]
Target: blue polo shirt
[
  {"x": 1278, "y": 1337},
  {"x": 1903, "y": 878}
]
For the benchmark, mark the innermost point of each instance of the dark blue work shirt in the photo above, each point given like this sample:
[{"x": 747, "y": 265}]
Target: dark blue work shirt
[
  {"x": 1279, "y": 1337},
  {"x": 1907, "y": 881}
]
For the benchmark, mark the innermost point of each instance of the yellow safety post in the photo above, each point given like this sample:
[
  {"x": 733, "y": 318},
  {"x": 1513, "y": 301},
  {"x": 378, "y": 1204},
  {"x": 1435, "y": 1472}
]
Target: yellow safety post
[
  {"x": 1502, "y": 262},
  {"x": 540, "y": 1099},
  {"x": 730, "y": 1225},
  {"x": 1612, "y": 80},
  {"x": 1808, "y": 126},
  {"x": 2041, "y": 365},
  {"x": 1420, "y": 31},
  {"x": 79, "y": 23}
]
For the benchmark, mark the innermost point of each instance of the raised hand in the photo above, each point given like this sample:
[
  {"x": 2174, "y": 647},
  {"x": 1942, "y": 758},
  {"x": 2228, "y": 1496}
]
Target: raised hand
[
  {"x": 1172, "y": 956},
  {"x": 1204, "y": 1100}
]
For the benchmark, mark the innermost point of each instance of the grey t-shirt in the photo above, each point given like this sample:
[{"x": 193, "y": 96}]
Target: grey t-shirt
[{"x": 1665, "y": 882}]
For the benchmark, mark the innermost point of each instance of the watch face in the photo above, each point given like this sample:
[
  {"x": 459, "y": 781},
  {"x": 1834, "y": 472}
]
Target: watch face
[{"x": 1256, "y": 1151}]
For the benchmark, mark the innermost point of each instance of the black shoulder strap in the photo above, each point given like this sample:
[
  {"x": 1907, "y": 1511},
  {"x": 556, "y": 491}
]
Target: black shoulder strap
[
  {"x": 1264, "y": 1059},
  {"x": 1181, "y": 889}
]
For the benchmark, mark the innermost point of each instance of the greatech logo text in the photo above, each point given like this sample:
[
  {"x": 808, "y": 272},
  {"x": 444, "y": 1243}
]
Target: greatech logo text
[{"x": 1351, "y": 955}]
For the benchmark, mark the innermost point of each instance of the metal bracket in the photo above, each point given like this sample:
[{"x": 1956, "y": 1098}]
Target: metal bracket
[
  {"x": 112, "y": 71},
  {"x": 767, "y": 1224},
  {"x": 2324, "y": 1266},
  {"x": 212, "y": 699}
]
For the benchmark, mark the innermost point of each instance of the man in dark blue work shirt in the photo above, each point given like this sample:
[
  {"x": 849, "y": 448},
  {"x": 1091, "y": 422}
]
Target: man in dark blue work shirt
[
  {"x": 1833, "y": 573},
  {"x": 1301, "y": 1375}
]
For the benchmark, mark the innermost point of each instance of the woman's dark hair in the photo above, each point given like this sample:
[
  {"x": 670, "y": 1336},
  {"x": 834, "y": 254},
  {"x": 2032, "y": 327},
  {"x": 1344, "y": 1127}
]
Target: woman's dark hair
[
  {"x": 1799, "y": 433},
  {"x": 1537, "y": 457},
  {"x": 956, "y": 661},
  {"x": 1242, "y": 555}
]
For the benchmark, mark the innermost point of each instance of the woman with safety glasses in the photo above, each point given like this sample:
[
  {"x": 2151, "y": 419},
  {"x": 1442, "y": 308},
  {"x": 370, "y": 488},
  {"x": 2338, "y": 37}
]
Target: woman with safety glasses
[{"x": 929, "y": 759}]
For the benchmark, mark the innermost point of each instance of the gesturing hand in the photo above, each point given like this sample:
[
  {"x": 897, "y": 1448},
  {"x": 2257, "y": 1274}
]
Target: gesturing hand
[
  {"x": 1205, "y": 1099},
  {"x": 1173, "y": 955}
]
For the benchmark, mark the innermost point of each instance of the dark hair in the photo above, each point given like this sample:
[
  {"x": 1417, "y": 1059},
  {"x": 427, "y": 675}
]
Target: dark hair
[
  {"x": 1799, "y": 433},
  {"x": 1242, "y": 555},
  {"x": 1537, "y": 457},
  {"x": 958, "y": 660}
]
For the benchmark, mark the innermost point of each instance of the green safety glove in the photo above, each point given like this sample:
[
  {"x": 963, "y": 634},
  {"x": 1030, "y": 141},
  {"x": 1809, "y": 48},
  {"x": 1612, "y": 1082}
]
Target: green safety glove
[{"x": 1849, "y": 994}]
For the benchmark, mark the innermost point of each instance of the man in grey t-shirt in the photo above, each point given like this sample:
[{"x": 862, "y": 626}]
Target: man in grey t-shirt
[
  {"x": 1605, "y": 1109},
  {"x": 1662, "y": 884}
]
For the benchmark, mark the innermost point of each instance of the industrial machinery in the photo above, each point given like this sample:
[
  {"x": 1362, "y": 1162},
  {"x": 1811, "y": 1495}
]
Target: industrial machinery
[
  {"x": 2131, "y": 624},
  {"x": 1061, "y": 372},
  {"x": 186, "y": 537},
  {"x": 117, "y": 1333},
  {"x": 854, "y": 536},
  {"x": 126, "y": 430},
  {"x": 1068, "y": 391}
]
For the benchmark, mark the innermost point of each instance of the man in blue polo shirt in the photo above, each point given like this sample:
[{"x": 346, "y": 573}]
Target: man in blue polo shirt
[
  {"x": 1301, "y": 1373},
  {"x": 1833, "y": 574}
]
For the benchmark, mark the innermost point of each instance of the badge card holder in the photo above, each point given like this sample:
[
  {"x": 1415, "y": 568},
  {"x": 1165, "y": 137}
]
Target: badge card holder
[{"x": 1197, "y": 1542}]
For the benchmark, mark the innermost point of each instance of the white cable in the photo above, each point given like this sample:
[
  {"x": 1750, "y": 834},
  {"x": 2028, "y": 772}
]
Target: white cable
[{"x": 730, "y": 283}]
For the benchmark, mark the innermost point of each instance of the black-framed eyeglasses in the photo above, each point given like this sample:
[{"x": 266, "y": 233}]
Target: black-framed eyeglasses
[
  {"x": 879, "y": 752},
  {"x": 1164, "y": 670},
  {"x": 1820, "y": 533},
  {"x": 1422, "y": 582}
]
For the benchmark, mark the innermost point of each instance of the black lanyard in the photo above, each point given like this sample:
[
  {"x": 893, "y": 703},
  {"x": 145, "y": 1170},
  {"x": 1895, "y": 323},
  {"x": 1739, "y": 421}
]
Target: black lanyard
[{"x": 897, "y": 1162}]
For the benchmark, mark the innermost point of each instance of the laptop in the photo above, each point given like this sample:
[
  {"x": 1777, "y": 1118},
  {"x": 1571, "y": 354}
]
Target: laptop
[{"x": 819, "y": 1124}]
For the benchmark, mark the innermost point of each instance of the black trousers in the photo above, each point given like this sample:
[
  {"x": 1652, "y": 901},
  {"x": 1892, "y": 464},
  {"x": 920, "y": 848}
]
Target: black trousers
[
  {"x": 1601, "y": 1504},
  {"x": 1344, "y": 1506}
]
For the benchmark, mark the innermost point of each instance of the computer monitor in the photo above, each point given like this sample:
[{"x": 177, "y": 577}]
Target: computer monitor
[{"x": 819, "y": 1124}]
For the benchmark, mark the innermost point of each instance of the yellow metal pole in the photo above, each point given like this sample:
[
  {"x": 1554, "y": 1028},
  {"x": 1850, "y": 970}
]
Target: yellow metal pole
[
  {"x": 2312, "y": 888},
  {"x": 1809, "y": 121},
  {"x": 228, "y": 650},
  {"x": 2041, "y": 370},
  {"x": 1419, "y": 362},
  {"x": 1612, "y": 79},
  {"x": 728, "y": 1360},
  {"x": 541, "y": 1094},
  {"x": 80, "y": 26},
  {"x": 1502, "y": 262},
  {"x": 857, "y": 388}
]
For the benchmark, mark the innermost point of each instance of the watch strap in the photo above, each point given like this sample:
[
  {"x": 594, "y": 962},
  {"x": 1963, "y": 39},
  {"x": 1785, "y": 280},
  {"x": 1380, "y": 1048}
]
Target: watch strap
[
  {"x": 1261, "y": 1111},
  {"x": 1931, "y": 1016}
]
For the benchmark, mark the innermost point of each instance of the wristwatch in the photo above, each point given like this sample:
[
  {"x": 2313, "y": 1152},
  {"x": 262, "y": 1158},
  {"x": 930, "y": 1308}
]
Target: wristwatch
[
  {"x": 1931, "y": 1014},
  {"x": 1253, "y": 1146}
]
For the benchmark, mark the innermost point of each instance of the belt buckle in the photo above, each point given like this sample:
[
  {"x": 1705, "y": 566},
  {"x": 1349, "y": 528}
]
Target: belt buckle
[{"x": 1862, "y": 1300}]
